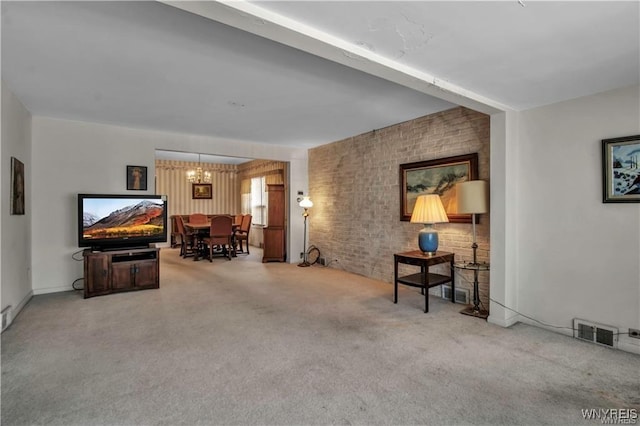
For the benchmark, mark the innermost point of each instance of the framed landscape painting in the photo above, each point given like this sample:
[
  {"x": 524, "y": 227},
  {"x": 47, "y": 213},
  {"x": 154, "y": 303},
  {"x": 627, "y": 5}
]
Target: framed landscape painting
[
  {"x": 436, "y": 177},
  {"x": 201, "y": 191},
  {"x": 621, "y": 170}
]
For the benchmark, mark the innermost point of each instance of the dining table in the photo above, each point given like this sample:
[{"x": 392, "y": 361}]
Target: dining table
[{"x": 201, "y": 231}]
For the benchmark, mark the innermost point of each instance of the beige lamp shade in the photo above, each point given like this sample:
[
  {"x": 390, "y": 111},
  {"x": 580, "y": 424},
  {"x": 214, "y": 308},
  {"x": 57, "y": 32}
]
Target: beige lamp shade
[
  {"x": 472, "y": 196},
  {"x": 429, "y": 209}
]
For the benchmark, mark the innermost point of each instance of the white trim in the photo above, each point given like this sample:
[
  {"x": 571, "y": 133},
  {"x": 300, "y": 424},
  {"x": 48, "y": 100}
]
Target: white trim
[
  {"x": 623, "y": 345},
  {"x": 48, "y": 290},
  {"x": 15, "y": 312},
  {"x": 503, "y": 322}
]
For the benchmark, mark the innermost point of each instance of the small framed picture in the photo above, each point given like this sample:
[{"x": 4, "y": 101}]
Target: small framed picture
[
  {"x": 17, "y": 186},
  {"x": 201, "y": 191},
  {"x": 621, "y": 170},
  {"x": 137, "y": 178}
]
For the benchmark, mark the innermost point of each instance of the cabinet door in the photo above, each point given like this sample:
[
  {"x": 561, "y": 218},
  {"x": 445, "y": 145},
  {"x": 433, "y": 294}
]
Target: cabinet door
[
  {"x": 273, "y": 245},
  {"x": 123, "y": 275},
  {"x": 96, "y": 275},
  {"x": 146, "y": 274}
]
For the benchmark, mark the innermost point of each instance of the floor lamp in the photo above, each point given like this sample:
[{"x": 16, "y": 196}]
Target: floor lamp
[
  {"x": 306, "y": 204},
  {"x": 472, "y": 197}
]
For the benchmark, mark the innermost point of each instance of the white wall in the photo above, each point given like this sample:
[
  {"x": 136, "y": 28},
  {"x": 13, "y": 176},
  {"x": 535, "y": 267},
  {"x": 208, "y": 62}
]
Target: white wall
[
  {"x": 15, "y": 231},
  {"x": 577, "y": 257},
  {"x": 70, "y": 157},
  {"x": 503, "y": 217}
]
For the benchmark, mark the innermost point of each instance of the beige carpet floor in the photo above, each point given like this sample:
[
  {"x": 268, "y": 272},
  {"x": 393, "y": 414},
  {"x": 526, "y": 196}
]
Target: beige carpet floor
[{"x": 245, "y": 343}]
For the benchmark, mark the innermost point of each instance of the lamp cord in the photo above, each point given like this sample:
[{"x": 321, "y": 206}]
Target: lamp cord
[
  {"x": 544, "y": 323},
  {"x": 74, "y": 257},
  {"x": 533, "y": 319}
]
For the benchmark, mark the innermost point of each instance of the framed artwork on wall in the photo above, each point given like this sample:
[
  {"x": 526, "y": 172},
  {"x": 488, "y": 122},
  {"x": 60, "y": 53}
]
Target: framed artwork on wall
[
  {"x": 136, "y": 178},
  {"x": 436, "y": 177},
  {"x": 201, "y": 191},
  {"x": 17, "y": 186},
  {"x": 621, "y": 170}
]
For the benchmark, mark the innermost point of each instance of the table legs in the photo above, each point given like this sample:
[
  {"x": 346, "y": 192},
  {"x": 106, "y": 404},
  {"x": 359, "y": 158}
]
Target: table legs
[
  {"x": 475, "y": 311},
  {"x": 425, "y": 287},
  {"x": 395, "y": 281}
]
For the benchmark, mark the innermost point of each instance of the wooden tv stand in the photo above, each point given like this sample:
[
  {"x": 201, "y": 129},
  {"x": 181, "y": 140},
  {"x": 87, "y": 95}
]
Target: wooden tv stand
[{"x": 107, "y": 272}]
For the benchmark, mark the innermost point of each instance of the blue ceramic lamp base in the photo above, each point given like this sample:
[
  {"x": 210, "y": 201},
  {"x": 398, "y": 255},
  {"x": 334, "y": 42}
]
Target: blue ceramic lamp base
[{"x": 428, "y": 240}]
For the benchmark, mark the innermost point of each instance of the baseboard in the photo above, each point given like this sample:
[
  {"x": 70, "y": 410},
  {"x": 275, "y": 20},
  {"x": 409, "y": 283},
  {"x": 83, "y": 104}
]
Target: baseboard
[
  {"x": 628, "y": 347},
  {"x": 15, "y": 312},
  {"x": 48, "y": 290},
  {"x": 503, "y": 322},
  {"x": 624, "y": 343}
]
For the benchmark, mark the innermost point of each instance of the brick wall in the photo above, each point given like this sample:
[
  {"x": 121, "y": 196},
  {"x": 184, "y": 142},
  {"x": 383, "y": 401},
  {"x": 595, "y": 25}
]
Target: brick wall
[{"x": 354, "y": 185}]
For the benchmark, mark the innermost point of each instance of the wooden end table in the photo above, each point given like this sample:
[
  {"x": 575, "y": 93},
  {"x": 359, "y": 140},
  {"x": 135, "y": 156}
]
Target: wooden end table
[{"x": 423, "y": 279}]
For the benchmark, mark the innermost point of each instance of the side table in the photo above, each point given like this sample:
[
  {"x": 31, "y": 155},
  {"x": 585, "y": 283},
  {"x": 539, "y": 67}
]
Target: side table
[
  {"x": 424, "y": 279},
  {"x": 476, "y": 267}
]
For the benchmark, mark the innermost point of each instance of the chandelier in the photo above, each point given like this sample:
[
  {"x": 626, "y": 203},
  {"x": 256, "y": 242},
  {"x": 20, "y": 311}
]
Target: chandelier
[{"x": 198, "y": 175}]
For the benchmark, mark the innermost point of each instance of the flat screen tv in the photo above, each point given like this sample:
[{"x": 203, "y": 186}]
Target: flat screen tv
[{"x": 121, "y": 221}]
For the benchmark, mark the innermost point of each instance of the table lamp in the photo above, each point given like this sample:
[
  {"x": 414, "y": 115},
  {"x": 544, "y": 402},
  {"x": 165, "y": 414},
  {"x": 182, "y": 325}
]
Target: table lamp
[{"x": 429, "y": 211}]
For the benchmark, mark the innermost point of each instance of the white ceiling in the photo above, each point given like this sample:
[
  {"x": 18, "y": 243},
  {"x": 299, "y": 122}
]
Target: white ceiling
[
  {"x": 521, "y": 56},
  {"x": 152, "y": 65}
]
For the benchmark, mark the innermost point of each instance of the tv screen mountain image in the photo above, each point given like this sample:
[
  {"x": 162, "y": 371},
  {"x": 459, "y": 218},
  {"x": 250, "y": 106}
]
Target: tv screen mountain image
[{"x": 122, "y": 218}]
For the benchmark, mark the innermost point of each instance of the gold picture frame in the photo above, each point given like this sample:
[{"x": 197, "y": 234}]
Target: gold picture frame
[
  {"x": 440, "y": 177},
  {"x": 201, "y": 191}
]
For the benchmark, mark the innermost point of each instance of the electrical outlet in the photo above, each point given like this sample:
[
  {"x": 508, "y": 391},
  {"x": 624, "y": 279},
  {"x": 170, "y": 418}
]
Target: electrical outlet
[
  {"x": 301, "y": 255},
  {"x": 634, "y": 333}
]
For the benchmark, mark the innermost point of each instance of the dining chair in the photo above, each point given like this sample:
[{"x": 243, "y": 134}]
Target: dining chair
[
  {"x": 242, "y": 234},
  {"x": 237, "y": 219},
  {"x": 187, "y": 239},
  {"x": 220, "y": 234}
]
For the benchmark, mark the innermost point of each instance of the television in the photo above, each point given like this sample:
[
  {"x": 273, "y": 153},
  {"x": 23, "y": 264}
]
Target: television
[{"x": 121, "y": 221}]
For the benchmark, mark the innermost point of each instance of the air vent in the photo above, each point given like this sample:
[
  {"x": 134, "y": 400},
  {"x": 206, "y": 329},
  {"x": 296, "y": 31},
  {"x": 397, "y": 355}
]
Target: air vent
[
  {"x": 462, "y": 294},
  {"x": 596, "y": 333}
]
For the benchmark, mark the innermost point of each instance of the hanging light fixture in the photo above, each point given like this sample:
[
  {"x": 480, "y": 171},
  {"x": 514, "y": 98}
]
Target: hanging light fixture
[{"x": 198, "y": 175}]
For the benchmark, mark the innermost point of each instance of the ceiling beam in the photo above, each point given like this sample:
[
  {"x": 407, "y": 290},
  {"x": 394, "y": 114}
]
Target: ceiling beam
[{"x": 259, "y": 21}]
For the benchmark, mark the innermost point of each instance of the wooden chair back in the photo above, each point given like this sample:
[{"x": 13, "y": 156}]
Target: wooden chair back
[
  {"x": 186, "y": 239},
  {"x": 220, "y": 234},
  {"x": 245, "y": 225},
  {"x": 180, "y": 225},
  {"x": 221, "y": 226},
  {"x": 242, "y": 234},
  {"x": 197, "y": 218}
]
